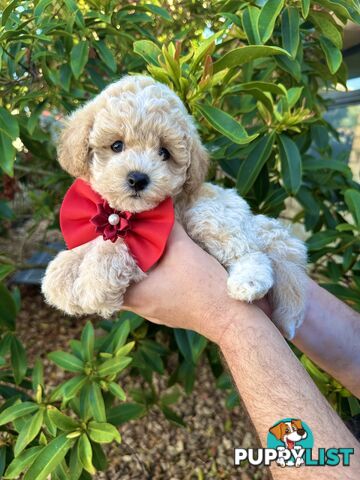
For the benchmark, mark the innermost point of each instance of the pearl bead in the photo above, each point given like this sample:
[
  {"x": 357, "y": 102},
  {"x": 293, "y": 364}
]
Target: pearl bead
[{"x": 114, "y": 219}]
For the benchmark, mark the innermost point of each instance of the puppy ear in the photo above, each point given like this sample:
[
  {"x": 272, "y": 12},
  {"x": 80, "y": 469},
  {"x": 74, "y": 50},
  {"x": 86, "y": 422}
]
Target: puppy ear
[
  {"x": 73, "y": 146},
  {"x": 199, "y": 163},
  {"x": 297, "y": 423},
  {"x": 276, "y": 430}
]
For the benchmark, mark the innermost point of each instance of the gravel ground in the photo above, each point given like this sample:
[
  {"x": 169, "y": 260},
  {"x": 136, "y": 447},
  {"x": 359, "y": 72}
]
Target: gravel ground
[{"x": 152, "y": 447}]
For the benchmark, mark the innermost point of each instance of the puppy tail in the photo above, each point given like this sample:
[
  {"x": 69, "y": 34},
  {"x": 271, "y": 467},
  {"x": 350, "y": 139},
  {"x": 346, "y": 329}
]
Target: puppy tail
[{"x": 289, "y": 257}]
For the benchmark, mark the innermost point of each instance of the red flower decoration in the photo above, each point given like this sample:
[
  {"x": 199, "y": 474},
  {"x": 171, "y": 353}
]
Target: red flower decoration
[{"x": 111, "y": 223}]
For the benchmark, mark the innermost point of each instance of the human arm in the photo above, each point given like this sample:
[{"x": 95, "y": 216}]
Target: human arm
[
  {"x": 188, "y": 290},
  {"x": 274, "y": 385},
  {"x": 330, "y": 336}
]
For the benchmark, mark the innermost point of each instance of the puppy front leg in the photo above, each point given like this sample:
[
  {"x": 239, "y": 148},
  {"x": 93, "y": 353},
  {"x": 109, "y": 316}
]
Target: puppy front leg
[
  {"x": 221, "y": 222},
  {"x": 104, "y": 275}
]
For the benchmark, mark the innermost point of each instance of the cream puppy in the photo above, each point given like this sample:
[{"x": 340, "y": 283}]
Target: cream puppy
[{"x": 136, "y": 145}]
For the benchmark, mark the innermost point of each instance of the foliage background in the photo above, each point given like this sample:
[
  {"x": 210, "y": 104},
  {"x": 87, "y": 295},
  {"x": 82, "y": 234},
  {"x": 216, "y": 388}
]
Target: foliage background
[{"x": 251, "y": 73}]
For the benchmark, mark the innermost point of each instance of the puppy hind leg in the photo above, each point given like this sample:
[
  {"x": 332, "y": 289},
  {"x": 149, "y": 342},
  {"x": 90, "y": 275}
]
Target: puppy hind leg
[
  {"x": 59, "y": 279},
  {"x": 288, "y": 297},
  {"x": 250, "y": 277}
]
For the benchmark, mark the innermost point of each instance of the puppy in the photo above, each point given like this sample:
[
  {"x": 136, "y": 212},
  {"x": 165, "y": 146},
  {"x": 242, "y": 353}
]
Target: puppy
[
  {"x": 157, "y": 139},
  {"x": 289, "y": 433}
]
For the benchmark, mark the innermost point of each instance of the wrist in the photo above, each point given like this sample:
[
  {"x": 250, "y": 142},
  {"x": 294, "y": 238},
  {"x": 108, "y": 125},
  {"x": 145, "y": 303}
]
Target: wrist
[
  {"x": 216, "y": 319},
  {"x": 242, "y": 321},
  {"x": 224, "y": 317}
]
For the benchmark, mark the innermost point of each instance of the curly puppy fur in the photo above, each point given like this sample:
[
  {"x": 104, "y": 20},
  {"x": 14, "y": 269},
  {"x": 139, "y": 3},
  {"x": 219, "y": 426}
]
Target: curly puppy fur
[{"x": 259, "y": 253}]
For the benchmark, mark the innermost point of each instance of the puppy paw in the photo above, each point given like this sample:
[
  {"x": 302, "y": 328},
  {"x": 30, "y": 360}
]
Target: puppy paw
[
  {"x": 250, "y": 278},
  {"x": 247, "y": 291}
]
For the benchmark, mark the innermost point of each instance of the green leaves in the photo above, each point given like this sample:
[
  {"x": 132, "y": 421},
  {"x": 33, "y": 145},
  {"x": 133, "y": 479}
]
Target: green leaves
[
  {"x": 51, "y": 456},
  {"x": 330, "y": 38},
  {"x": 326, "y": 24},
  {"x": 67, "y": 361},
  {"x": 258, "y": 85},
  {"x": 87, "y": 342},
  {"x": 125, "y": 412},
  {"x": 96, "y": 403},
  {"x": 29, "y": 431},
  {"x": 148, "y": 51},
  {"x": 61, "y": 421},
  {"x": 18, "y": 359},
  {"x": 352, "y": 199},
  {"x": 106, "y": 55},
  {"x": 7, "y": 11},
  {"x": 37, "y": 376},
  {"x": 290, "y": 30},
  {"x": 22, "y": 461},
  {"x": 250, "y": 19},
  {"x": 73, "y": 386},
  {"x": 104, "y": 359},
  {"x": 290, "y": 66},
  {"x": 320, "y": 239},
  {"x": 85, "y": 454},
  {"x": 250, "y": 167},
  {"x": 293, "y": 95},
  {"x": 40, "y": 7},
  {"x": 268, "y": 15},
  {"x": 8, "y": 124},
  {"x": 103, "y": 432},
  {"x": 8, "y": 308},
  {"x": 121, "y": 333},
  {"x": 9, "y": 131},
  {"x": 79, "y": 57},
  {"x": 291, "y": 169},
  {"x": 116, "y": 390},
  {"x": 162, "y": 12},
  {"x": 305, "y": 7},
  {"x": 17, "y": 411},
  {"x": 332, "y": 54},
  {"x": 113, "y": 366},
  {"x": 225, "y": 124},
  {"x": 242, "y": 55},
  {"x": 190, "y": 343},
  {"x": 172, "y": 416}
]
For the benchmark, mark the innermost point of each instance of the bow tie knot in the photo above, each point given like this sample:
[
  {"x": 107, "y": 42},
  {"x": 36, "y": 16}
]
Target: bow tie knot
[{"x": 111, "y": 223}]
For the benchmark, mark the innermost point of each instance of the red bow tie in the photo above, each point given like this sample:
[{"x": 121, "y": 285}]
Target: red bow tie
[{"x": 84, "y": 215}]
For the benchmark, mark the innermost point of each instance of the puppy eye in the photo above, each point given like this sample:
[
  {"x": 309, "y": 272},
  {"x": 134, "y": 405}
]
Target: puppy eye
[
  {"x": 117, "y": 146},
  {"x": 164, "y": 153}
]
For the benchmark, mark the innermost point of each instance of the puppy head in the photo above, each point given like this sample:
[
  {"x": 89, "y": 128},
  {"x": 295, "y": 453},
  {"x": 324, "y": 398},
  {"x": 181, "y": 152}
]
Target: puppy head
[
  {"x": 292, "y": 430},
  {"x": 136, "y": 145}
]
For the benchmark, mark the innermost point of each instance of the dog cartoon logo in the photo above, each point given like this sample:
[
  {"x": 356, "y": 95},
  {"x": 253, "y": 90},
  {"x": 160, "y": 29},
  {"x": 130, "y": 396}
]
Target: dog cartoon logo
[{"x": 290, "y": 434}]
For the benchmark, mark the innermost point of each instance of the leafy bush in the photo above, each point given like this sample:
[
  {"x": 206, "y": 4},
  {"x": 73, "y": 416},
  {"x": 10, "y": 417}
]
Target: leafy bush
[{"x": 251, "y": 73}]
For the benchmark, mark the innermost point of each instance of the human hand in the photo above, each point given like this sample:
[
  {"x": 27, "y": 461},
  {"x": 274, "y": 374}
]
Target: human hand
[{"x": 187, "y": 289}]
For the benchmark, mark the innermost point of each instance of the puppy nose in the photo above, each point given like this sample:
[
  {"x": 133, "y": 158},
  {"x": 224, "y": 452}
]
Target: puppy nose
[
  {"x": 301, "y": 432},
  {"x": 138, "y": 181}
]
